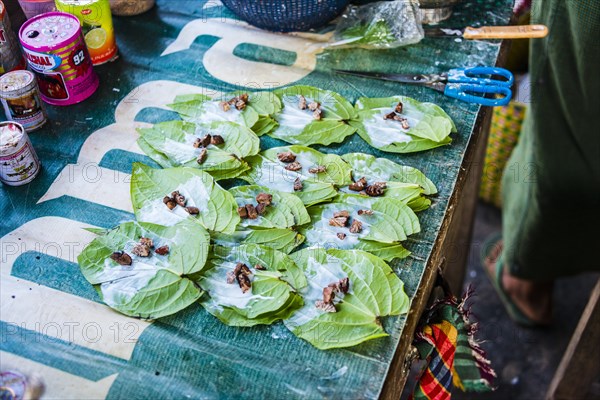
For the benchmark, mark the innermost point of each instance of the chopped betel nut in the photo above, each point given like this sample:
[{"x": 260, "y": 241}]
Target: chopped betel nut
[
  {"x": 230, "y": 277},
  {"x": 260, "y": 208},
  {"x": 318, "y": 114},
  {"x": 162, "y": 250},
  {"x": 242, "y": 212},
  {"x": 328, "y": 294},
  {"x": 327, "y": 307},
  {"x": 169, "y": 202},
  {"x": 376, "y": 189},
  {"x": 286, "y": 157},
  {"x": 121, "y": 258},
  {"x": 197, "y": 143},
  {"x": 141, "y": 250},
  {"x": 318, "y": 169},
  {"x": 343, "y": 285},
  {"x": 192, "y": 210},
  {"x": 298, "y": 185},
  {"x": 338, "y": 221},
  {"x": 390, "y": 115},
  {"x": 179, "y": 198},
  {"x": 251, "y": 211},
  {"x": 302, "y": 102},
  {"x": 202, "y": 156},
  {"x": 239, "y": 102},
  {"x": 264, "y": 198},
  {"x": 241, "y": 268},
  {"x": 356, "y": 226},
  {"x": 341, "y": 236},
  {"x": 404, "y": 123},
  {"x": 244, "y": 282},
  {"x": 242, "y": 273},
  {"x": 343, "y": 213},
  {"x": 259, "y": 267},
  {"x": 295, "y": 166},
  {"x": 205, "y": 141},
  {"x": 365, "y": 212},
  {"x": 314, "y": 106},
  {"x": 359, "y": 185},
  {"x": 225, "y": 106},
  {"x": 217, "y": 140},
  {"x": 147, "y": 242},
  {"x": 399, "y": 107}
]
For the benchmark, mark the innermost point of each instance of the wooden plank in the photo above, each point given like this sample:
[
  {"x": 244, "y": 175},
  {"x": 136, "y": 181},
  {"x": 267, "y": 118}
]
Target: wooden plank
[
  {"x": 580, "y": 365},
  {"x": 451, "y": 247}
]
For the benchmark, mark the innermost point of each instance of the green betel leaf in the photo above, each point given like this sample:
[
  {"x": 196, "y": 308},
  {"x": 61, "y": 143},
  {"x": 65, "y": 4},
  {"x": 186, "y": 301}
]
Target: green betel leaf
[
  {"x": 153, "y": 286},
  {"x": 404, "y": 183},
  {"x": 374, "y": 292},
  {"x": 274, "y": 277},
  {"x": 384, "y": 170},
  {"x": 428, "y": 125},
  {"x": 202, "y": 110},
  {"x": 317, "y": 186},
  {"x": 285, "y": 240},
  {"x": 285, "y": 211},
  {"x": 217, "y": 207},
  {"x": 384, "y": 221},
  {"x": 171, "y": 144},
  {"x": 298, "y": 126},
  {"x": 264, "y": 125}
]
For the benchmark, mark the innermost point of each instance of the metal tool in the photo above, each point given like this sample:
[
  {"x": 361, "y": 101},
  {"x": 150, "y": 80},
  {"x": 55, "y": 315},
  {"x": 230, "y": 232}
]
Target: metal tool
[
  {"x": 491, "y": 32},
  {"x": 467, "y": 84}
]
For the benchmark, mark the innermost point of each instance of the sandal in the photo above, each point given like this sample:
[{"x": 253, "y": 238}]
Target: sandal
[{"x": 514, "y": 312}]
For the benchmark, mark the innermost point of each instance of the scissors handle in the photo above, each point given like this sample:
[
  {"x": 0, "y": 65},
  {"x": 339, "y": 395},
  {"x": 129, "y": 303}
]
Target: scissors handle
[
  {"x": 476, "y": 75},
  {"x": 469, "y": 93}
]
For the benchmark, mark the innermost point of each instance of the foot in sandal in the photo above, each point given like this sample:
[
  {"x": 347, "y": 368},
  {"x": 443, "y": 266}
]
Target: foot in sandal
[{"x": 528, "y": 303}]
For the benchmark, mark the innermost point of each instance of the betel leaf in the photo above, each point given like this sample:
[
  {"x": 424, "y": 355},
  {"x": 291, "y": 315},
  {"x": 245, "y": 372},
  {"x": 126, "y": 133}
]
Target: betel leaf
[
  {"x": 285, "y": 240},
  {"x": 285, "y": 211},
  {"x": 172, "y": 144},
  {"x": 151, "y": 287},
  {"x": 298, "y": 126},
  {"x": 267, "y": 170},
  {"x": 203, "y": 110},
  {"x": 275, "y": 279},
  {"x": 384, "y": 170},
  {"x": 384, "y": 222},
  {"x": 150, "y": 186},
  {"x": 429, "y": 125},
  {"x": 264, "y": 125},
  {"x": 404, "y": 183},
  {"x": 374, "y": 292}
]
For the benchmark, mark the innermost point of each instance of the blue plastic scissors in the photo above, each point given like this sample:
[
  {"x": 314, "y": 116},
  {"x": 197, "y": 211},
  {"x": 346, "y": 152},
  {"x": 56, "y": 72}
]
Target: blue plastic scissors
[{"x": 466, "y": 84}]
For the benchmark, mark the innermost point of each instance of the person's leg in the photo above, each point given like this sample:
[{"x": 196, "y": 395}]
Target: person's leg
[{"x": 551, "y": 187}]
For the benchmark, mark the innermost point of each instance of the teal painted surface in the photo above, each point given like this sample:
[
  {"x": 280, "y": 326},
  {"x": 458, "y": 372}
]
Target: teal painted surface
[{"x": 192, "y": 353}]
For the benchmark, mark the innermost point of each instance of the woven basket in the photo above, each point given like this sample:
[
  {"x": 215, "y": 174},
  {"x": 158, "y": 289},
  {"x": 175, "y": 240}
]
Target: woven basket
[
  {"x": 504, "y": 135},
  {"x": 287, "y": 15}
]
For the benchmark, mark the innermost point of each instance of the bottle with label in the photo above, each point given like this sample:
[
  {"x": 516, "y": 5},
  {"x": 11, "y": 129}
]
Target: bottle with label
[{"x": 97, "y": 26}]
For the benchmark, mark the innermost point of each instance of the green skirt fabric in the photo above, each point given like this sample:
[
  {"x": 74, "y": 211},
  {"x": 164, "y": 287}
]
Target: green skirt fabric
[{"x": 551, "y": 186}]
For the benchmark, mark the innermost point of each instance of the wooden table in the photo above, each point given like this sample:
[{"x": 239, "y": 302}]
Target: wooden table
[{"x": 53, "y": 322}]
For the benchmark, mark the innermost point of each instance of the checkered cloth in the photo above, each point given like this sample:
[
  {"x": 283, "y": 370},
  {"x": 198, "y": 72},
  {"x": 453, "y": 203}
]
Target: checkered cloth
[{"x": 454, "y": 359}]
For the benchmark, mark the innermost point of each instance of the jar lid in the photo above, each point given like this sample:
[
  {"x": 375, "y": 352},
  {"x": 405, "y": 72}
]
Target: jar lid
[
  {"x": 14, "y": 82},
  {"x": 49, "y": 31}
]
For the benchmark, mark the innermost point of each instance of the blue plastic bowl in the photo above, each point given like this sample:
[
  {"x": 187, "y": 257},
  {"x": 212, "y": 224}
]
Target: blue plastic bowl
[{"x": 287, "y": 15}]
